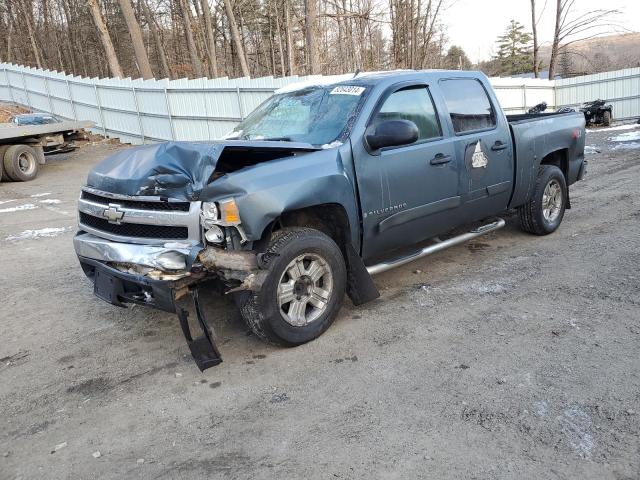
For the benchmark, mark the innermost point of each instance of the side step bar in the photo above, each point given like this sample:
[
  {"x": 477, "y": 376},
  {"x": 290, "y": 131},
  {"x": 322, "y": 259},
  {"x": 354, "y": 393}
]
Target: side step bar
[{"x": 436, "y": 247}]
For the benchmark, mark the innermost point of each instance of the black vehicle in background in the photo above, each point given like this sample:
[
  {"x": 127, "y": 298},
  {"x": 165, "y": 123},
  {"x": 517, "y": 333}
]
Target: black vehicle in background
[{"x": 597, "y": 112}]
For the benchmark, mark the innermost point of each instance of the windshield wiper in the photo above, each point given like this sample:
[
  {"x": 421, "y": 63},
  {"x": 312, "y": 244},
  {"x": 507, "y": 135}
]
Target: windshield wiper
[{"x": 277, "y": 139}]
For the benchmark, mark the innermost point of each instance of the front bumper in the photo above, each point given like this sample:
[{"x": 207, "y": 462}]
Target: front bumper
[{"x": 125, "y": 273}]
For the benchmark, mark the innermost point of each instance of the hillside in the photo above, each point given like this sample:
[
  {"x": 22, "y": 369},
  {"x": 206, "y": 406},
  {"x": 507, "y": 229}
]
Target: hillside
[{"x": 600, "y": 54}]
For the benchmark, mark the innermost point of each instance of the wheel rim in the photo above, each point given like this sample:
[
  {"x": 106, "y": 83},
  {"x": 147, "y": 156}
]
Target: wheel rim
[
  {"x": 304, "y": 289},
  {"x": 552, "y": 199},
  {"x": 26, "y": 163}
]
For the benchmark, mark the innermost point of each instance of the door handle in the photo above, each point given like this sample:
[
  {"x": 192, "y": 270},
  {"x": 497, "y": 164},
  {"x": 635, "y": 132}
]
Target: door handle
[
  {"x": 498, "y": 146},
  {"x": 440, "y": 159}
]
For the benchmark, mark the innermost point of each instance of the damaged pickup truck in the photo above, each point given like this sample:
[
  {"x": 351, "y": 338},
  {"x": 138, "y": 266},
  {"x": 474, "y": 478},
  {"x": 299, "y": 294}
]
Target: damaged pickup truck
[{"x": 318, "y": 189}]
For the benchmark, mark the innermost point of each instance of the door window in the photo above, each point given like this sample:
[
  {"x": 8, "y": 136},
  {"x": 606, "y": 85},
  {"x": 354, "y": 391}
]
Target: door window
[
  {"x": 468, "y": 105},
  {"x": 412, "y": 104}
]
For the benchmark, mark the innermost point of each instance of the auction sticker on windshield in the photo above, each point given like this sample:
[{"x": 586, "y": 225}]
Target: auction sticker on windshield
[{"x": 347, "y": 90}]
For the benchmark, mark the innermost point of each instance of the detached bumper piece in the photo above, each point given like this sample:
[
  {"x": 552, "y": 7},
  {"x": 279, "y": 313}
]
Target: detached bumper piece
[
  {"x": 203, "y": 349},
  {"x": 120, "y": 288}
]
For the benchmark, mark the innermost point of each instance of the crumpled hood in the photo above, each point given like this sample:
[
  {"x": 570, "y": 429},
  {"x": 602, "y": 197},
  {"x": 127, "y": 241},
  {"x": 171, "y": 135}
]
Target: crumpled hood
[{"x": 181, "y": 170}]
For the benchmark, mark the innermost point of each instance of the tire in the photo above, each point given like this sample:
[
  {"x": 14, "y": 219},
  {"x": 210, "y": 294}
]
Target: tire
[
  {"x": 21, "y": 163},
  {"x": 3, "y": 175},
  {"x": 539, "y": 216},
  {"x": 606, "y": 118},
  {"x": 276, "y": 322}
]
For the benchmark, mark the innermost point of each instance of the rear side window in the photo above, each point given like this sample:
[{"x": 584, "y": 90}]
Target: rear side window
[
  {"x": 468, "y": 105},
  {"x": 411, "y": 104}
]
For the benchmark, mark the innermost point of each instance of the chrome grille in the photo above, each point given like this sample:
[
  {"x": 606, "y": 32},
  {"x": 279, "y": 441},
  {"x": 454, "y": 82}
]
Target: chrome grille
[{"x": 149, "y": 220}]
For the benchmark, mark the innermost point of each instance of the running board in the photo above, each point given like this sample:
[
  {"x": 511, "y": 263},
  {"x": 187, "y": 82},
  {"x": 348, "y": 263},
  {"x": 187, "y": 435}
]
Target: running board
[{"x": 436, "y": 247}]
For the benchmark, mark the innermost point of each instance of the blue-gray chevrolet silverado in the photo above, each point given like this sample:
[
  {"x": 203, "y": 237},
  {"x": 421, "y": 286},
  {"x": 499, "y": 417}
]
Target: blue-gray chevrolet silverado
[{"x": 316, "y": 190}]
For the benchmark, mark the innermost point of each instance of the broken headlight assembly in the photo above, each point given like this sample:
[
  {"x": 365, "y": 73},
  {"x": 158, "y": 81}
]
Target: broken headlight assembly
[{"x": 216, "y": 215}]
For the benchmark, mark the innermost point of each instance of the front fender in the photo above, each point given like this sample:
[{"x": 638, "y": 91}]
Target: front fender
[{"x": 264, "y": 191}]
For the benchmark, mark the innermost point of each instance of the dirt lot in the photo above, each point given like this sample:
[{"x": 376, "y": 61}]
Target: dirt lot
[{"x": 513, "y": 356}]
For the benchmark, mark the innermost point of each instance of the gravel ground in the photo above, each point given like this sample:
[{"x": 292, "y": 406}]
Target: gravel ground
[{"x": 512, "y": 356}]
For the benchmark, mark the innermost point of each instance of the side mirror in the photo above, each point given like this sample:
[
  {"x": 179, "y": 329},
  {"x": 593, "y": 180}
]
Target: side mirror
[{"x": 392, "y": 133}]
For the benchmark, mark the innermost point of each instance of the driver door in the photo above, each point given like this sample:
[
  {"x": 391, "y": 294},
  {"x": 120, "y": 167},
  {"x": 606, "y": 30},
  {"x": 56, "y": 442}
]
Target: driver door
[{"x": 408, "y": 193}]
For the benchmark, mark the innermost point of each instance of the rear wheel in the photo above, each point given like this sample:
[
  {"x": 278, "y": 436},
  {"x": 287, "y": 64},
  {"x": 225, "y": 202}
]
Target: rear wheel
[
  {"x": 543, "y": 213},
  {"x": 21, "y": 163},
  {"x": 303, "y": 291},
  {"x": 606, "y": 118}
]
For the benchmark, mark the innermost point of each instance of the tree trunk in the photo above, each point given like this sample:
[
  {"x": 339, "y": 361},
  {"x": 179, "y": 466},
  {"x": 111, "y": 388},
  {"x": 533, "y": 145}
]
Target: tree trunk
[
  {"x": 107, "y": 44},
  {"x": 313, "y": 63},
  {"x": 196, "y": 64},
  {"x": 534, "y": 30},
  {"x": 211, "y": 39},
  {"x": 235, "y": 36},
  {"x": 136, "y": 39},
  {"x": 280, "y": 47},
  {"x": 164, "y": 66},
  {"x": 291, "y": 59},
  {"x": 28, "y": 18},
  {"x": 556, "y": 41}
]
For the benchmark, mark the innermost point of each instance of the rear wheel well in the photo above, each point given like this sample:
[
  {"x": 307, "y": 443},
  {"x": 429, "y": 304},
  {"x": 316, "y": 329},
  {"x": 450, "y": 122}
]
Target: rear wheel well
[{"x": 559, "y": 159}]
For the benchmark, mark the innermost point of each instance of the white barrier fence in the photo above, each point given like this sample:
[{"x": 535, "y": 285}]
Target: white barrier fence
[{"x": 143, "y": 111}]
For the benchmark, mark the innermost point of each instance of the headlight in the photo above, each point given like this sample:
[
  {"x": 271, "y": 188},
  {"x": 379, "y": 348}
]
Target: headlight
[
  {"x": 209, "y": 211},
  {"x": 214, "y": 234}
]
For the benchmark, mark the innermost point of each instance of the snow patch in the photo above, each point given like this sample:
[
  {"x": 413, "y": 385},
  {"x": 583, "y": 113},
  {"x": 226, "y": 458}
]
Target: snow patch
[
  {"x": 626, "y": 146},
  {"x": 628, "y": 126},
  {"x": 575, "y": 425},
  {"x": 34, "y": 234},
  {"x": 626, "y": 137},
  {"x": 36, "y": 195},
  {"x": 314, "y": 81},
  {"x": 589, "y": 149},
  {"x": 50, "y": 201},
  {"x": 26, "y": 206}
]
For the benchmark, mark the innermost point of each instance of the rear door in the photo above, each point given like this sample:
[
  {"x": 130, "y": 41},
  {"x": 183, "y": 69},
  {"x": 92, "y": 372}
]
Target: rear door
[
  {"x": 408, "y": 192},
  {"x": 483, "y": 143}
]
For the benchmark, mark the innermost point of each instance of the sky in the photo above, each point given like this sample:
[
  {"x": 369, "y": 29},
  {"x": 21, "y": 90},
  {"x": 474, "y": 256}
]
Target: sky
[{"x": 475, "y": 24}]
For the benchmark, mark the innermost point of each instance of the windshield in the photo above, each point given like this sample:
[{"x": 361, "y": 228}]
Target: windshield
[{"x": 316, "y": 115}]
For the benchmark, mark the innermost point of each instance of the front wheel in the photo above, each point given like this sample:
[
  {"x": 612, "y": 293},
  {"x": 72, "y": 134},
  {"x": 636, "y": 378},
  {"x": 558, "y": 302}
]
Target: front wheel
[
  {"x": 606, "y": 118},
  {"x": 543, "y": 213},
  {"x": 303, "y": 291}
]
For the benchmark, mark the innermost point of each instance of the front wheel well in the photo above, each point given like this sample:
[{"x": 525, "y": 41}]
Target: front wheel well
[{"x": 330, "y": 218}]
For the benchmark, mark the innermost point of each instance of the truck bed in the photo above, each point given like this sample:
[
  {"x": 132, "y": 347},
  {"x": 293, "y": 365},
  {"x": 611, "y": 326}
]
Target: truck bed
[
  {"x": 10, "y": 131},
  {"x": 529, "y": 117}
]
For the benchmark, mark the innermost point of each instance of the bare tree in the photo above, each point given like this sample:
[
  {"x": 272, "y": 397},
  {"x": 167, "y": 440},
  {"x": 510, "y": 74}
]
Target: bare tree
[
  {"x": 162, "y": 57},
  {"x": 570, "y": 29},
  {"x": 105, "y": 38},
  {"x": 211, "y": 39},
  {"x": 136, "y": 39},
  {"x": 313, "y": 62},
  {"x": 534, "y": 31},
  {"x": 196, "y": 64},
  {"x": 237, "y": 40}
]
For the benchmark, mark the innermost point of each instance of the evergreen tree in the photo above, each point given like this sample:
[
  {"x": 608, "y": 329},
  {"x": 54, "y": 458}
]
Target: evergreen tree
[
  {"x": 514, "y": 50},
  {"x": 456, "y": 59}
]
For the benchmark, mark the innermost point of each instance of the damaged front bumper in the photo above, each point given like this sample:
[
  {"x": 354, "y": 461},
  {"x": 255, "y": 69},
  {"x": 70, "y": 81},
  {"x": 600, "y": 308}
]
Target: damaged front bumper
[{"x": 166, "y": 277}]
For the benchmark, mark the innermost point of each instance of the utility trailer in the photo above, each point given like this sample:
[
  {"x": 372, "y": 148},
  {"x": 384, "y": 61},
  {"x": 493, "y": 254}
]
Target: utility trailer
[{"x": 22, "y": 147}]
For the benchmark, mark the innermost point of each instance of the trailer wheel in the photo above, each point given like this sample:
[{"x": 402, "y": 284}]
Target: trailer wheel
[
  {"x": 606, "y": 118},
  {"x": 543, "y": 213},
  {"x": 21, "y": 163},
  {"x": 3, "y": 175},
  {"x": 303, "y": 291}
]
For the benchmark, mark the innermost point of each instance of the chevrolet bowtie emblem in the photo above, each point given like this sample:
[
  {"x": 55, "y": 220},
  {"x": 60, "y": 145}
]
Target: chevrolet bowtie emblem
[{"x": 113, "y": 214}]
